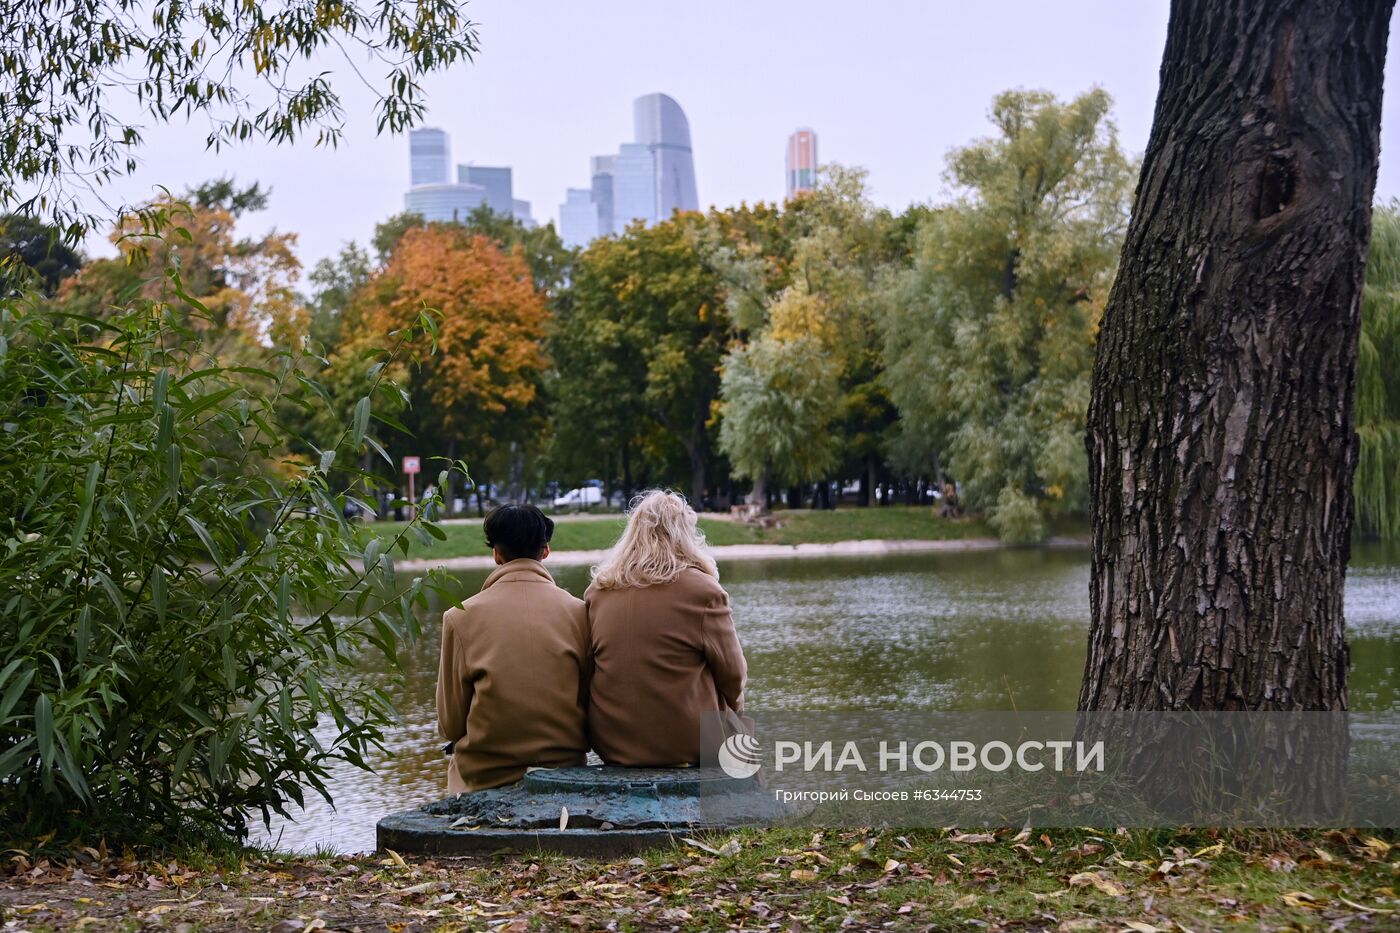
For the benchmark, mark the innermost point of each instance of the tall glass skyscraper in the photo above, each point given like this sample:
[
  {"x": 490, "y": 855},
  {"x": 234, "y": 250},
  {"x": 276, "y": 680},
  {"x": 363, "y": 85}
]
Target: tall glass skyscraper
[
  {"x": 801, "y": 161},
  {"x": 428, "y": 157},
  {"x": 660, "y": 124},
  {"x": 497, "y": 182},
  {"x": 602, "y": 191},
  {"x": 648, "y": 179},
  {"x": 578, "y": 217},
  {"x": 634, "y": 186}
]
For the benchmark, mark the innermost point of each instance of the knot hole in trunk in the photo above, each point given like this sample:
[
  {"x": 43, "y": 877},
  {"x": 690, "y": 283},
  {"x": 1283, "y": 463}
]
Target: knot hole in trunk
[{"x": 1277, "y": 181}]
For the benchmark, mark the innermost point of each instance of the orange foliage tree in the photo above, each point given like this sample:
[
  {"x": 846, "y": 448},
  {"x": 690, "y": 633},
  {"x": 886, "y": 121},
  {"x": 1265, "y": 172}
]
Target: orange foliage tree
[{"x": 481, "y": 386}]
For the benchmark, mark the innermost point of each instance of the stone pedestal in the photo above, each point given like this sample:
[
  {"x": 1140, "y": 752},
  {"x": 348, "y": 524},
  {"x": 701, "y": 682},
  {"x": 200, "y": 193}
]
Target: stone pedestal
[{"x": 611, "y": 811}]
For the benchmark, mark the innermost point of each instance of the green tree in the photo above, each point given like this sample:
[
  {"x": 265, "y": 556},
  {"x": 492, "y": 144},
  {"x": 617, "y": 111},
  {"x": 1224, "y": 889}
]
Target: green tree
[
  {"x": 780, "y": 399},
  {"x": 647, "y": 309},
  {"x": 184, "y": 601},
  {"x": 805, "y": 278},
  {"x": 989, "y": 336},
  {"x": 38, "y": 249},
  {"x": 1377, "y": 483},
  {"x": 101, "y": 68}
]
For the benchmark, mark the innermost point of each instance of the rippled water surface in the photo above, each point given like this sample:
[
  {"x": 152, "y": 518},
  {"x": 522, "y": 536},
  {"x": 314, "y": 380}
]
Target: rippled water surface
[{"x": 979, "y": 630}]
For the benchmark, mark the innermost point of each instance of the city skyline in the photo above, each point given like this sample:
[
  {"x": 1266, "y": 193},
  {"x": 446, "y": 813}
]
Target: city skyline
[
  {"x": 747, "y": 75},
  {"x": 431, "y": 194},
  {"x": 647, "y": 179}
]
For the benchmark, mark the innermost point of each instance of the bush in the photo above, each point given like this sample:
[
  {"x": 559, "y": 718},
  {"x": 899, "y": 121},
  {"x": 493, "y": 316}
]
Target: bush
[
  {"x": 1016, "y": 517},
  {"x": 183, "y": 601}
]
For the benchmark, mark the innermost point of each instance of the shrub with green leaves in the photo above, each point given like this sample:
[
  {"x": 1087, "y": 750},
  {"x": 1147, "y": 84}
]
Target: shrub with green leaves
[{"x": 183, "y": 602}]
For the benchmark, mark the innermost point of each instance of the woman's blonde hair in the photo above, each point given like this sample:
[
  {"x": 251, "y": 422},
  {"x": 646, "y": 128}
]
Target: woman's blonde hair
[{"x": 662, "y": 538}]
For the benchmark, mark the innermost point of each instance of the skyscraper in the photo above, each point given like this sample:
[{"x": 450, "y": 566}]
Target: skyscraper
[
  {"x": 660, "y": 124},
  {"x": 801, "y": 161},
  {"x": 497, "y": 182},
  {"x": 444, "y": 203},
  {"x": 602, "y": 192},
  {"x": 578, "y": 217},
  {"x": 634, "y": 186},
  {"x": 648, "y": 179},
  {"x": 428, "y": 158},
  {"x": 521, "y": 210}
]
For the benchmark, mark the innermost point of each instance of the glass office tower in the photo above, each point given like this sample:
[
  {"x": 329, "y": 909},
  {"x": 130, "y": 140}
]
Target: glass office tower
[
  {"x": 521, "y": 210},
  {"x": 444, "y": 203},
  {"x": 602, "y": 190},
  {"x": 428, "y": 157},
  {"x": 497, "y": 182},
  {"x": 660, "y": 124},
  {"x": 801, "y": 161},
  {"x": 634, "y": 186},
  {"x": 578, "y": 217}
]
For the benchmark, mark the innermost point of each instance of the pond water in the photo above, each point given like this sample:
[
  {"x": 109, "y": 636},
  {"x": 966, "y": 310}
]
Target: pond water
[{"x": 990, "y": 630}]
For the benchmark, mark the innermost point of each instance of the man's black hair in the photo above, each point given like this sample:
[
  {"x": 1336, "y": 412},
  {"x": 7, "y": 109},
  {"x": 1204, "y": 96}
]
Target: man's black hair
[{"x": 518, "y": 531}]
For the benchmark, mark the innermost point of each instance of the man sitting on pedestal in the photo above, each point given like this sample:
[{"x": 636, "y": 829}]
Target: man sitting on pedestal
[{"x": 513, "y": 677}]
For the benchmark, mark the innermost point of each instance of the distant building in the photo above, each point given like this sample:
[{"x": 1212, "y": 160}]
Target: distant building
[
  {"x": 444, "y": 203},
  {"x": 439, "y": 200},
  {"x": 660, "y": 123},
  {"x": 602, "y": 192},
  {"x": 578, "y": 217},
  {"x": 634, "y": 186},
  {"x": 428, "y": 157},
  {"x": 648, "y": 179},
  {"x": 801, "y": 161},
  {"x": 497, "y": 182}
]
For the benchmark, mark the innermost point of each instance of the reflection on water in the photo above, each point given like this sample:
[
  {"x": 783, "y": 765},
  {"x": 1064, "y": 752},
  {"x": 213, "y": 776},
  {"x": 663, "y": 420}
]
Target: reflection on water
[{"x": 991, "y": 630}]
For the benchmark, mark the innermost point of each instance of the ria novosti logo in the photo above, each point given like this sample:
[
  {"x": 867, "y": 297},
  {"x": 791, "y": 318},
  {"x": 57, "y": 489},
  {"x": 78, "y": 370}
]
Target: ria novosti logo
[{"x": 740, "y": 756}]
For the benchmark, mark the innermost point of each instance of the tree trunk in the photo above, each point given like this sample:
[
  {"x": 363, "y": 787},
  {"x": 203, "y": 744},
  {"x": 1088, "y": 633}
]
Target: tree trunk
[
  {"x": 626, "y": 473},
  {"x": 759, "y": 494},
  {"x": 1221, "y": 442}
]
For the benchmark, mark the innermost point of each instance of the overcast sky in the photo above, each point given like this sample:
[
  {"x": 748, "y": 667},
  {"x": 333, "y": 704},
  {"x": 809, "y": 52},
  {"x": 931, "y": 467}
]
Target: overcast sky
[{"x": 887, "y": 85}]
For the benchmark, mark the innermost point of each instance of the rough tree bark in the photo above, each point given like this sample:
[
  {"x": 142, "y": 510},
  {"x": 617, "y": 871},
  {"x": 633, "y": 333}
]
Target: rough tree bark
[{"x": 1221, "y": 441}]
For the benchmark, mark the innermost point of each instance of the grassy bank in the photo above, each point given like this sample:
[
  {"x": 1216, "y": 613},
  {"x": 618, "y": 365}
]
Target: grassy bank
[
  {"x": 464, "y": 539},
  {"x": 1064, "y": 880}
]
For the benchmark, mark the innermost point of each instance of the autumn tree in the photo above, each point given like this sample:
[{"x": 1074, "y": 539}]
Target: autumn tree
[
  {"x": 477, "y": 391},
  {"x": 245, "y": 286},
  {"x": 989, "y": 335},
  {"x": 1221, "y": 429},
  {"x": 800, "y": 392}
]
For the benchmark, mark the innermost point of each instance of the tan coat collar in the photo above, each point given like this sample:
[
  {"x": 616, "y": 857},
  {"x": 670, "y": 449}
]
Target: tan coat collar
[{"x": 522, "y": 570}]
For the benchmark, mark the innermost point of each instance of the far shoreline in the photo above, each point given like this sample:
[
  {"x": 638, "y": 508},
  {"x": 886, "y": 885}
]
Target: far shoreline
[{"x": 738, "y": 552}]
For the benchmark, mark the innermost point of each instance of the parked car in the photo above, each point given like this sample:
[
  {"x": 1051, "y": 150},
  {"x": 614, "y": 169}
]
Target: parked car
[{"x": 580, "y": 498}]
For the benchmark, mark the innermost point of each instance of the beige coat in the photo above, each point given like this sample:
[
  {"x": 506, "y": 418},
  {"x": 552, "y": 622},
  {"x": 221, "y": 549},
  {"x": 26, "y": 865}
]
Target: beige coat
[
  {"x": 513, "y": 678},
  {"x": 662, "y": 655}
]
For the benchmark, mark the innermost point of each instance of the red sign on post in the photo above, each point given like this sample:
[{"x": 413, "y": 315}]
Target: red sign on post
[{"x": 410, "y": 465}]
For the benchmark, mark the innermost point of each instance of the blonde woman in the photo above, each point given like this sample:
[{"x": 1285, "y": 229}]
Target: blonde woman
[{"x": 664, "y": 646}]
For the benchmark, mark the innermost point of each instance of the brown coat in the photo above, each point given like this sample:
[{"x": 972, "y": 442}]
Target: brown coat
[
  {"x": 662, "y": 655},
  {"x": 513, "y": 678}
]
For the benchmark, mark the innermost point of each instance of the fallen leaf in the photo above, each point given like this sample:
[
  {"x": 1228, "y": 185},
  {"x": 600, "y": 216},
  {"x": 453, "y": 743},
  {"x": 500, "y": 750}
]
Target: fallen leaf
[
  {"x": 802, "y": 874},
  {"x": 1100, "y": 881},
  {"x": 1299, "y": 899},
  {"x": 972, "y": 837},
  {"x": 1209, "y": 851},
  {"x": 964, "y": 902},
  {"x": 563, "y": 818}
]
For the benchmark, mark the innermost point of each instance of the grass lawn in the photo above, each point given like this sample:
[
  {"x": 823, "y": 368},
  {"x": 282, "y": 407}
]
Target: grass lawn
[
  {"x": 782, "y": 880},
  {"x": 897, "y": 522}
]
